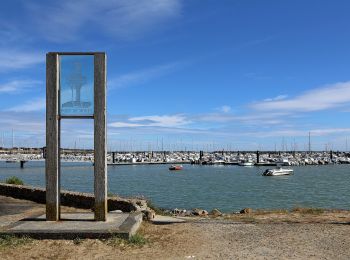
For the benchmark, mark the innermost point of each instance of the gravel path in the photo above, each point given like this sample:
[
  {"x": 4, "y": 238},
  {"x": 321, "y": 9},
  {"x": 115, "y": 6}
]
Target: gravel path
[{"x": 197, "y": 239}]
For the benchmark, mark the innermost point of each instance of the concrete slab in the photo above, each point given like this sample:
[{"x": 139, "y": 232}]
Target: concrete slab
[
  {"x": 163, "y": 220},
  {"x": 73, "y": 225}
]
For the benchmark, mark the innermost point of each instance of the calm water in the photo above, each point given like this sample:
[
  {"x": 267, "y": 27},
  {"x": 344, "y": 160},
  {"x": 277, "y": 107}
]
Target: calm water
[{"x": 228, "y": 188}]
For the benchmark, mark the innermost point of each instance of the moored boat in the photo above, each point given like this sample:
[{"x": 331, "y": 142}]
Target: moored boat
[
  {"x": 278, "y": 171},
  {"x": 175, "y": 167},
  {"x": 13, "y": 160},
  {"x": 245, "y": 163}
]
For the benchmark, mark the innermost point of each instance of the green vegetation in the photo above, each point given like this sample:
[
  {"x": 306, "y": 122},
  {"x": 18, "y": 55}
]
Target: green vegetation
[
  {"x": 14, "y": 180},
  {"x": 77, "y": 241},
  {"x": 13, "y": 241},
  {"x": 314, "y": 211},
  {"x": 248, "y": 219},
  {"x": 270, "y": 211},
  {"x": 110, "y": 194},
  {"x": 157, "y": 210},
  {"x": 135, "y": 240}
]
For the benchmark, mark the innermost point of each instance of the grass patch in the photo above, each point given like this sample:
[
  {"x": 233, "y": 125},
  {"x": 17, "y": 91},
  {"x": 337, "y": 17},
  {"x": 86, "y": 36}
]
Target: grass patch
[
  {"x": 110, "y": 194},
  {"x": 14, "y": 180},
  {"x": 135, "y": 240},
  {"x": 247, "y": 219},
  {"x": 77, "y": 241},
  {"x": 157, "y": 210},
  {"x": 13, "y": 241},
  {"x": 313, "y": 211},
  {"x": 270, "y": 211}
]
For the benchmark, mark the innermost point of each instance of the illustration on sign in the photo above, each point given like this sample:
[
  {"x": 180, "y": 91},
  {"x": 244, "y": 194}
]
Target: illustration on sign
[{"x": 76, "y": 85}]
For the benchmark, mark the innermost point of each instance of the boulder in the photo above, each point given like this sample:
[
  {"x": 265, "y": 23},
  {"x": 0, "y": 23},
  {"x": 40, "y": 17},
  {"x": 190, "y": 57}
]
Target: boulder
[
  {"x": 216, "y": 213},
  {"x": 176, "y": 211},
  {"x": 246, "y": 211},
  {"x": 199, "y": 212},
  {"x": 148, "y": 214}
]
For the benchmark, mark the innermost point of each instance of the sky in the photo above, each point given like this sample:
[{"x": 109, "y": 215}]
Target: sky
[{"x": 186, "y": 74}]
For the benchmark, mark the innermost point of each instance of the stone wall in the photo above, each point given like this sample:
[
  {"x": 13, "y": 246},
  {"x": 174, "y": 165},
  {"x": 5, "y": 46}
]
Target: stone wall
[{"x": 71, "y": 199}]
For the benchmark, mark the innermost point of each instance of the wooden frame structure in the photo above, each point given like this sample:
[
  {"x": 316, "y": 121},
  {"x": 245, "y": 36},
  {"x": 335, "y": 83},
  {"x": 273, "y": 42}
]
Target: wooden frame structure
[{"x": 53, "y": 129}]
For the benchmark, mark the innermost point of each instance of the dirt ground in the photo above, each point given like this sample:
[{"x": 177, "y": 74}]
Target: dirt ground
[{"x": 260, "y": 235}]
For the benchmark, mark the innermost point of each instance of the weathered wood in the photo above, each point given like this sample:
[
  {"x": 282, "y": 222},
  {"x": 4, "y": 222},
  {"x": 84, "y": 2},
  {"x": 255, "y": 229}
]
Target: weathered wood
[
  {"x": 52, "y": 139},
  {"x": 100, "y": 155}
]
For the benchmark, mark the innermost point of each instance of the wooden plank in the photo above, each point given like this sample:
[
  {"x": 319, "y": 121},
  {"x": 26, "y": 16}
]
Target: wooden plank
[
  {"x": 52, "y": 139},
  {"x": 76, "y": 117},
  {"x": 100, "y": 155},
  {"x": 77, "y": 53}
]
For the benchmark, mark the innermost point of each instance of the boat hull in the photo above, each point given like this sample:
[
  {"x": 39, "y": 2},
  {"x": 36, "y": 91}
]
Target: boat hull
[
  {"x": 175, "y": 168},
  {"x": 246, "y": 164},
  {"x": 278, "y": 172}
]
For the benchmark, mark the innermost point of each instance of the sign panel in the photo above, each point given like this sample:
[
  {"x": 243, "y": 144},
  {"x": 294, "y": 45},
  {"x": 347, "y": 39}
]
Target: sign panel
[{"x": 76, "y": 85}]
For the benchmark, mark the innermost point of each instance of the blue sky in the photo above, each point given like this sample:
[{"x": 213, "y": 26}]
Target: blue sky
[{"x": 189, "y": 74}]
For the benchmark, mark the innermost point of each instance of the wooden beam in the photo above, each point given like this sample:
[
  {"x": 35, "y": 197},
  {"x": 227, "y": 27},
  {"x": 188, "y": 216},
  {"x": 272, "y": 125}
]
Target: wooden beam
[
  {"x": 52, "y": 139},
  {"x": 100, "y": 155}
]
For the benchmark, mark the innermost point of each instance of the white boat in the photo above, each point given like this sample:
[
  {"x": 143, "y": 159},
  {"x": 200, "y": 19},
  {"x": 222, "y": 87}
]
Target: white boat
[
  {"x": 278, "y": 171},
  {"x": 246, "y": 163}
]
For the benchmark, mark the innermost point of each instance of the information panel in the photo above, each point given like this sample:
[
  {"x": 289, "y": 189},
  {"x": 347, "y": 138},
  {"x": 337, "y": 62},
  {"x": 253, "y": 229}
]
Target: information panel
[{"x": 76, "y": 85}]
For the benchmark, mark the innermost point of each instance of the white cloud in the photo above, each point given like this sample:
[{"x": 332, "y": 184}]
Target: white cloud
[
  {"x": 154, "y": 121},
  {"x": 31, "y": 106},
  {"x": 327, "y": 97},
  {"x": 251, "y": 119},
  {"x": 280, "y": 97},
  {"x": 17, "y": 59},
  {"x": 124, "y": 124},
  {"x": 142, "y": 76},
  {"x": 329, "y": 131},
  {"x": 297, "y": 132},
  {"x": 16, "y": 86},
  {"x": 225, "y": 109},
  {"x": 65, "y": 20},
  {"x": 163, "y": 121}
]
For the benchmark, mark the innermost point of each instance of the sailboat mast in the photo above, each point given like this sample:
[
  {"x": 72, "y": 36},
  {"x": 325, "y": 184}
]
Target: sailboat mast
[{"x": 309, "y": 141}]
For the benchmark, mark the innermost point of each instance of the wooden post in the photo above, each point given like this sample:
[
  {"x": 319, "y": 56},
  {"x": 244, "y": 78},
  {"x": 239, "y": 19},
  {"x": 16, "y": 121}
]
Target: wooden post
[
  {"x": 100, "y": 155},
  {"x": 52, "y": 139}
]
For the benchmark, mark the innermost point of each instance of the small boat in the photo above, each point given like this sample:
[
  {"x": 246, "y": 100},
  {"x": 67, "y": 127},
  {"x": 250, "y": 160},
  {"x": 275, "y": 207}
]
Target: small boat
[
  {"x": 175, "y": 167},
  {"x": 278, "y": 171},
  {"x": 14, "y": 160},
  {"x": 245, "y": 163}
]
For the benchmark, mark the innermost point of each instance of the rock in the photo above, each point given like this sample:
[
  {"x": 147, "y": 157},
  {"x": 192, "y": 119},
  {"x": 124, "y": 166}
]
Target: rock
[
  {"x": 216, "y": 213},
  {"x": 116, "y": 211},
  {"x": 246, "y": 211},
  {"x": 176, "y": 211},
  {"x": 148, "y": 214},
  {"x": 188, "y": 213},
  {"x": 199, "y": 212}
]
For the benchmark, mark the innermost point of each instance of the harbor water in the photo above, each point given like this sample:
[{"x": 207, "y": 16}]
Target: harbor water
[{"x": 228, "y": 188}]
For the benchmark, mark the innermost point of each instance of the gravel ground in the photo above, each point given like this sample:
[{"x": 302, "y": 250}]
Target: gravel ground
[{"x": 198, "y": 239}]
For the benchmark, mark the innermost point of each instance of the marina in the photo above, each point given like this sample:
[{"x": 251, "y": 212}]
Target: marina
[{"x": 241, "y": 158}]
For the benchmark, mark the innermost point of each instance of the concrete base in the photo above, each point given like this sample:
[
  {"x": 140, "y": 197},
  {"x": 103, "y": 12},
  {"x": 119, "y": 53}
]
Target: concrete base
[
  {"x": 164, "y": 220},
  {"x": 73, "y": 225}
]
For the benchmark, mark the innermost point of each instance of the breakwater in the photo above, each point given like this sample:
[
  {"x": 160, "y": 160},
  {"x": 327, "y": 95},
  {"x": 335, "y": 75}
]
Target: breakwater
[{"x": 71, "y": 199}]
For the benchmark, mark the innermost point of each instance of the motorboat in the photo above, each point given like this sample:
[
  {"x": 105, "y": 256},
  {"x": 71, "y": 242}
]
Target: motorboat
[
  {"x": 277, "y": 171},
  {"x": 175, "y": 167}
]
